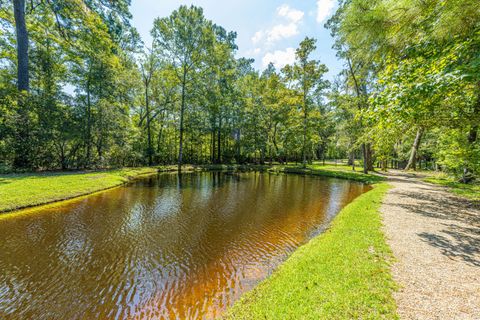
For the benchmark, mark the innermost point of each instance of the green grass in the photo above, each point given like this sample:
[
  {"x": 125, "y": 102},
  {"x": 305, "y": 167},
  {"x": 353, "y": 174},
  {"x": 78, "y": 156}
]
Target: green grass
[
  {"x": 341, "y": 274},
  {"x": 340, "y": 171},
  {"x": 333, "y": 171},
  {"x": 470, "y": 191},
  {"x": 25, "y": 190}
]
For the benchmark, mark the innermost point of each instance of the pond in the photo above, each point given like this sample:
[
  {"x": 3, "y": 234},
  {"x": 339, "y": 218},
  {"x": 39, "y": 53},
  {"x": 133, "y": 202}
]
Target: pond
[{"x": 166, "y": 246}]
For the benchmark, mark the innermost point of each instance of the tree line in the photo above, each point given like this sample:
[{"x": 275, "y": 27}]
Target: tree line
[{"x": 80, "y": 89}]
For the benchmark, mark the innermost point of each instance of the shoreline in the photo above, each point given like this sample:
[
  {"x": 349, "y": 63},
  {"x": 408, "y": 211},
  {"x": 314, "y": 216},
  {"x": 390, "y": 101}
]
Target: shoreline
[{"x": 126, "y": 175}]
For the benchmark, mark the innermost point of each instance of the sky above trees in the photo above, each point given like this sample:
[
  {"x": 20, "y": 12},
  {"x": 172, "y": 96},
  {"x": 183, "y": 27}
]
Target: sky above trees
[{"x": 268, "y": 31}]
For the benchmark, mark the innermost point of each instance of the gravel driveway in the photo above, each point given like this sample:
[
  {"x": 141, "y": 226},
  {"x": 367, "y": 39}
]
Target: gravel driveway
[{"x": 435, "y": 237}]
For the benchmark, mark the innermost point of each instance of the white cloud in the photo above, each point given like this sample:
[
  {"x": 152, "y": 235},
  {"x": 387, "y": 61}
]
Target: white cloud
[
  {"x": 283, "y": 30},
  {"x": 279, "y": 58},
  {"x": 293, "y": 15},
  {"x": 324, "y": 9},
  {"x": 258, "y": 36},
  {"x": 253, "y": 52}
]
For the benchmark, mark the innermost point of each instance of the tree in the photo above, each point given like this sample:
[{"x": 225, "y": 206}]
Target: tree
[
  {"x": 305, "y": 76},
  {"x": 148, "y": 67},
  {"x": 408, "y": 61},
  {"x": 117, "y": 10},
  {"x": 183, "y": 38}
]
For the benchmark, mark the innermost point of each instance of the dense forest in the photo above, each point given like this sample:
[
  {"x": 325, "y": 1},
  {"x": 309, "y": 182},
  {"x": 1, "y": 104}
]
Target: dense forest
[{"x": 79, "y": 89}]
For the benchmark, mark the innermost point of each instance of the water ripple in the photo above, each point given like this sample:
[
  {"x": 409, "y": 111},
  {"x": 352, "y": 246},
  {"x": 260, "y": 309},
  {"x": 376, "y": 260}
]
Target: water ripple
[{"x": 166, "y": 247}]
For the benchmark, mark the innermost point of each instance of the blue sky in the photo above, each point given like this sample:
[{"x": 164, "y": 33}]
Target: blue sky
[{"x": 268, "y": 31}]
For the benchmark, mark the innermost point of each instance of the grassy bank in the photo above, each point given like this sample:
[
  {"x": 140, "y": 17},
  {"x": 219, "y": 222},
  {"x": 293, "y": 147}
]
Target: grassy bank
[
  {"x": 470, "y": 191},
  {"x": 332, "y": 171},
  {"x": 25, "y": 190},
  {"x": 342, "y": 274}
]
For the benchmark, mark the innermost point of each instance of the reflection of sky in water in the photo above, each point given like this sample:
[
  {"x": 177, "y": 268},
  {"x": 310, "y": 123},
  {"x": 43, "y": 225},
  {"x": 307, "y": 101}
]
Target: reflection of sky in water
[
  {"x": 336, "y": 192},
  {"x": 168, "y": 203},
  {"x": 13, "y": 292},
  {"x": 135, "y": 218},
  {"x": 73, "y": 246},
  {"x": 204, "y": 193}
]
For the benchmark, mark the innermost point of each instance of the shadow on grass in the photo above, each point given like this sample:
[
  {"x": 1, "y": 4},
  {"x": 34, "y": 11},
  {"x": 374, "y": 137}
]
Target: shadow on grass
[{"x": 471, "y": 191}]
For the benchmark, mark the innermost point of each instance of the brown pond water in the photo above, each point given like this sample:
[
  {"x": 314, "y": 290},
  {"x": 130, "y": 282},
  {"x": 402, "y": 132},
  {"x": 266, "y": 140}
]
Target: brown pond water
[{"x": 162, "y": 247}]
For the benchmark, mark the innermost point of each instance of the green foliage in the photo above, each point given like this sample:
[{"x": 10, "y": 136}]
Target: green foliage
[
  {"x": 417, "y": 65},
  {"x": 77, "y": 111},
  {"x": 99, "y": 98},
  {"x": 305, "y": 78},
  {"x": 455, "y": 153}
]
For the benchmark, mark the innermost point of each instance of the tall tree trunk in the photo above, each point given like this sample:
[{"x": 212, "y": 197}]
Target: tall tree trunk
[
  {"x": 160, "y": 132},
  {"x": 219, "y": 140},
  {"x": 88, "y": 137},
  {"x": 305, "y": 116},
  {"x": 412, "y": 162},
  {"x": 212, "y": 146},
  {"x": 365, "y": 158},
  {"x": 358, "y": 90},
  {"x": 149, "y": 131},
  {"x": 237, "y": 145},
  {"x": 274, "y": 139},
  {"x": 182, "y": 111},
  {"x": 304, "y": 144},
  {"x": 351, "y": 159},
  {"x": 472, "y": 136},
  {"x": 22, "y": 146},
  {"x": 384, "y": 165},
  {"x": 23, "y": 83},
  {"x": 369, "y": 157}
]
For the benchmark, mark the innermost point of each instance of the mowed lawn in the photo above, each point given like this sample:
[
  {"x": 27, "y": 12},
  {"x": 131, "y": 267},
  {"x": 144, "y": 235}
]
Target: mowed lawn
[
  {"x": 25, "y": 190},
  {"x": 333, "y": 171},
  {"x": 470, "y": 191},
  {"x": 341, "y": 274}
]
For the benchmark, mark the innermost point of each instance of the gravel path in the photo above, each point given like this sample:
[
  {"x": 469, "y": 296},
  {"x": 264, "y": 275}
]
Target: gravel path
[{"x": 435, "y": 238}]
